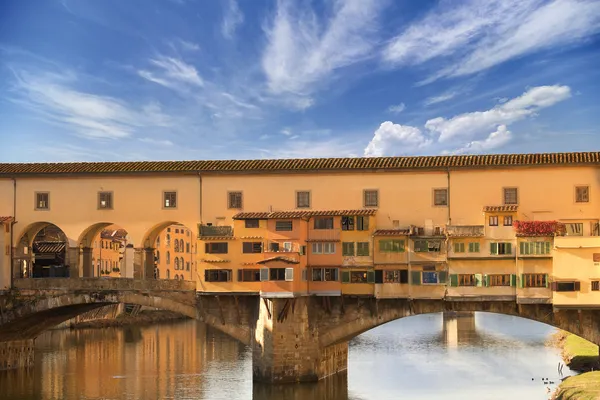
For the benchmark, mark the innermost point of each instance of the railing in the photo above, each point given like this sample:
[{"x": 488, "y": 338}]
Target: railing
[
  {"x": 465, "y": 230},
  {"x": 212, "y": 231},
  {"x": 92, "y": 284}
]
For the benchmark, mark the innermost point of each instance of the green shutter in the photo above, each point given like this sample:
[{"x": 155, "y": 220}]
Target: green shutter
[
  {"x": 476, "y": 247},
  {"x": 547, "y": 247},
  {"x": 546, "y": 278},
  {"x": 453, "y": 280},
  {"x": 457, "y": 247},
  {"x": 486, "y": 280},
  {"x": 348, "y": 248},
  {"x": 508, "y": 248},
  {"x": 345, "y": 276},
  {"x": 478, "y": 280},
  {"x": 415, "y": 277},
  {"x": 370, "y": 276},
  {"x": 522, "y": 248},
  {"x": 522, "y": 281},
  {"x": 443, "y": 276},
  {"x": 493, "y": 248},
  {"x": 513, "y": 280}
]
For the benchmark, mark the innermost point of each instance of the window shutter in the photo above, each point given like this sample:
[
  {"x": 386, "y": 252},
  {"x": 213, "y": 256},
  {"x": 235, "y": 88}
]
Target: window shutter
[
  {"x": 577, "y": 286},
  {"x": 345, "y": 276},
  {"x": 264, "y": 274},
  {"x": 206, "y": 248},
  {"x": 546, "y": 279},
  {"x": 547, "y": 247},
  {"x": 370, "y": 276},
  {"x": 508, "y": 248},
  {"x": 365, "y": 226},
  {"x": 513, "y": 280},
  {"x": 443, "y": 276},
  {"x": 522, "y": 281},
  {"x": 415, "y": 277},
  {"x": 553, "y": 286},
  {"x": 289, "y": 274},
  {"x": 205, "y": 275},
  {"x": 493, "y": 248},
  {"x": 486, "y": 280},
  {"x": 522, "y": 248},
  {"x": 304, "y": 275},
  {"x": 453, "y": 280},
  {"x": 378, "y": 276},
  {"x": 240, "y": 276},
  {"x": 456, "y": 247},
  {"x": 336, "y": 274},
  {"x": 478, "y": 280}
]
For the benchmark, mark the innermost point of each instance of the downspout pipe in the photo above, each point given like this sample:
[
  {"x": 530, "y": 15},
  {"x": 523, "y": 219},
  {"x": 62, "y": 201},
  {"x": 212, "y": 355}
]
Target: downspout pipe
[
  {"x": 12, "y": 233},
  {"x": 449, "y": 213}
]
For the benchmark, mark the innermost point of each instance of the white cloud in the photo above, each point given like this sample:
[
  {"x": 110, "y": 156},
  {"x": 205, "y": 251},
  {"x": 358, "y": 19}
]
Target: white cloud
[
  {"x": 476, "y": 35},
  {"x": 390, "y": 136},
  {"x": 159, "y": 142},
  {"x": 397, "y": 109},
  {"x": 286, "y": 131},
  {"x": 173, "y": 73},
  {"x": 496, "y": 139},
  {"x": 189, "y": 46},
  {"x": 469, "y": 124},
  {"x": 302, "y": 50},
  {"x": 440, "y": 98},
  {"x": 233, "y": 17}
]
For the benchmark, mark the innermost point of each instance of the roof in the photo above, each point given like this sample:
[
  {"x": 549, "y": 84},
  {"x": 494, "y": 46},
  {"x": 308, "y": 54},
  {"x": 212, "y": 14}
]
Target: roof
[
  {"x": 391, "y": 232},
  {"x": 48, "y": 247},
  {"x": 5, "y": 219},
  {"x": 117, "y": 234},
  {"x": 505, "y": 208},
  {"x": 303, "y": 214},
  {"x": 306, "y": 164},
  {"x": 279, "y": 258}
]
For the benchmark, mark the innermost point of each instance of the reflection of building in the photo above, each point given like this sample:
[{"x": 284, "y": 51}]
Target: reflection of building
[
  {"x": 174, "y": 255},
  {"x": 459, "y": 327},
  {"x": 108, "y": 251}
]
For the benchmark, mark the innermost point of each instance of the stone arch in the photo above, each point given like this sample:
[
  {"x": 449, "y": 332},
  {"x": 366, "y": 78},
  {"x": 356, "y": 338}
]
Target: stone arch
[
  {"x": 90, "y": 254},
  {"x": 171, "y": 248}
]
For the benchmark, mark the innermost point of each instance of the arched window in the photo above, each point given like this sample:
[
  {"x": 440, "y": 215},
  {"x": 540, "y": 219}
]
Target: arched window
[
  {"x": 158, "y": 241},
  {"x": 168, "y": 257},
  {"x": 187, "y": 247},
  {"x": 157, "y": 256},
  {"x": 168, "y": 274},
  {"x": 187, "y": 266},
  {"x": 168, "y": 241},
  {"x": 176, "y": 264},
  {"x": 176, "y": 246}
]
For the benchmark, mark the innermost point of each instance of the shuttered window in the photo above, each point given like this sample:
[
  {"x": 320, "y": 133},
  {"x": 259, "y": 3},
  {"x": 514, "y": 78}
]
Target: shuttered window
[
  {"x": 511, "y": 196},
  {"x": 215, "y": 248},
  {"x": 371, "y": 198},
  {"x": 170, "y": 199},
  {"x": 105, "y": 201},
  {"x": 582, "y": 194},
  {"x": 283, "y": 225},
  {"x": 252, "y": 247},
  {"x": 303, "y": 199},
  {"x": 348, "y": 249},
  {"x": 42, "y": 201},
  {"x": 362, "y": 248},
  {"x": 234, "y": 200}
]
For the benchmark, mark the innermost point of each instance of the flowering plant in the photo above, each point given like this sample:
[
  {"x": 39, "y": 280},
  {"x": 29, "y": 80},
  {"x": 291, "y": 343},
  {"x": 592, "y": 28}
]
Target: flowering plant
[{"x": 538, "y": 228}]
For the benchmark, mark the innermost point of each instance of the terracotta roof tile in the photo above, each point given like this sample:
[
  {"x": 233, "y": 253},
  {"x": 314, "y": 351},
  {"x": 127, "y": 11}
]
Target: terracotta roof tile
[
  {"x": 391, "y": 232},
  {"x": 5, "y": 219},
  {"x": 506, "y": 208},
  {"x": 218, "y": 261},
  {"x": 48, "y": 247},
  {"x": 303, "y": 214},
  {"x": 307, "y": 164},
  {"x": 279, "y": 258}
]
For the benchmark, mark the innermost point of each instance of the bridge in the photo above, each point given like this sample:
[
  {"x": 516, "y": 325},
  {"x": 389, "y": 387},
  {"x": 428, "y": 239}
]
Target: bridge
[{"x": 293, "y": 339}]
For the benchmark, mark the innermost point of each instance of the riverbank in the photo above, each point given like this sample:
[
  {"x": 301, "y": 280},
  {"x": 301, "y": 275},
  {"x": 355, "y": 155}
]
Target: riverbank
[
  {"x": 145, "y": 317},
  {"x": 581, "y": 356}
]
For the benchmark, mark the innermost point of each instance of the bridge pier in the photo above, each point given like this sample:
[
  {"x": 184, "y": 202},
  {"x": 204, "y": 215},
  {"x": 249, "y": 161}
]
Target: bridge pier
[
  {"x": 286, "y": 346},
  {"x": 16, "y": 354},
  {"x": 87, "y": 263},
  {"x": 149, "y": 263},
  {"x": 73, "y": 261}
]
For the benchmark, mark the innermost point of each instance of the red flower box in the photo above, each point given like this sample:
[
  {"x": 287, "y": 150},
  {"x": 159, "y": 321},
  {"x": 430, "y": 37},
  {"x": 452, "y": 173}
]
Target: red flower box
[{"x": 538, "y": 228}]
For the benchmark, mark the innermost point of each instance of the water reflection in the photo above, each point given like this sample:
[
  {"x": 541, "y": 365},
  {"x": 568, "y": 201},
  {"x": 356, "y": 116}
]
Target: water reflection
[{"x": 481, "y": 356}]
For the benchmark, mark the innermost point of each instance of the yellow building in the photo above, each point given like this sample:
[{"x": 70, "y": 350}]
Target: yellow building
[
  {"x": 107, "y": 255},
  {"x": 174, "y": 256}
]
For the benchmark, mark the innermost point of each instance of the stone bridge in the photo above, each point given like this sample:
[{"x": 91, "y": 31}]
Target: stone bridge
[{"x": 293, "y": 340}]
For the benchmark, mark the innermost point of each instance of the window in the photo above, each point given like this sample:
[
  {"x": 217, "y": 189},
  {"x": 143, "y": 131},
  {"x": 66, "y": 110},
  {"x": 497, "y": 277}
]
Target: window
[
  {"x": 493, "y": 220},
  {"x": 511, "y": 196},
  {"x": 582, "y": 194},
  {"x": 595, "y": 286},
  {"x": 176, "y": 263},
  {"x": 500, "y": 248},
  {"x": 170, "y": 199},
  {"x": 251, "y": 223},
  {"x": 187, "y": 266},
  {"x": 248, "y": 275},
  {"x": 274, "y": 247},
  {"x": 176, "y": 230},
  {"x": 534, "y": 248},
  {"x": 391, "y": 246},
  {"x": 323, "y": 248},
  {"x": 217, "y": 275},
  {"x": 574, "y": 229},
  {"x": 168, "y": 257},
  {"x": 459, "y": 247},
  {"x": 168, "y": 229},
  {"x": 215, "y": 248},
  {"x": 566, "y": 286},
  {"x": 534, "y": 280},
  {"x": 508, "y": 220},
  {"x": 158, "y": 241},
  {"x": 348, "y": 249},
  {"x": 423, "y": 246},
  {"x": 440, "y": 197},
  {"x": 358, "y": 277},
  {"x": 157, "y": 256},
  {"x": 499, "y": 280},
  {"x": 398, "y": 276},
  {"x": 362, "y": 248},
  {"x": 252, "y": 247},
  {"x": 324, "y": 274},
  {"x": 371, "y": 198},
  {"x": 277, "y": 274},
  {"x": 347, "y": 223},
  {"x": 474, "y": 247},
  {"x": 168, "y": 241},
  {"x": 105, "y": 200},
  {"x": 430, "y": 277},
  {"x": 187, "y": 247},
  {"x": 234, "y": 200},
  {"x": 42, "y": 201},
  {"x": 466, "y": 280},
  {"x": 324, "y": 223},
  {"x": 362, "y": 223},
  {"x": 303, "y": 199},
  {"x": 283, "y": 225},
  {"x": 176, "y": 246}
]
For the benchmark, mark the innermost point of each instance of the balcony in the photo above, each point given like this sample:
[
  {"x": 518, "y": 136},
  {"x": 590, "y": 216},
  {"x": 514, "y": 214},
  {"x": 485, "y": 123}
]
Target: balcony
[
  {"x": 209, "y": 231},
  {"x": 324, "y": 235},
  {"x": 428, "y": 231},
  {"x": 465, "y": 230}
]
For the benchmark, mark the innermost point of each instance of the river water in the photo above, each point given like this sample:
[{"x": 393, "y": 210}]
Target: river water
[{"x": 477, "y": 357}]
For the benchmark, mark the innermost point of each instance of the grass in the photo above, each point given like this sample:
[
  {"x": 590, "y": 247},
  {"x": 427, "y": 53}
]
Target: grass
[
  {"x": 580, "y": 355},
  {"x": 581, "y": 387}
]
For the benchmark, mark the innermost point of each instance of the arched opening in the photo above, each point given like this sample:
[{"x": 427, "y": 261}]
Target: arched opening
[
  {"x": 106, "y": 252},
  {"x": 42, "y": 251},
  {"x": 175, "y": 250}
]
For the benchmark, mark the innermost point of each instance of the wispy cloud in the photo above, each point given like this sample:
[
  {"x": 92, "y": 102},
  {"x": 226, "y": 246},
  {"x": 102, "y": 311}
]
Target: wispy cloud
[
  {"x": 397, "y": 109},
  {"x": 233, "y": 17},
  {"x": 476, "y": 35},
  {"x": 56, "y": 98},
  {"x": 158, "y": 142},
  {"x": 172, "y": 73},
  {"x": 303, "y": 50},
  {"x": 440, "y": 98}
]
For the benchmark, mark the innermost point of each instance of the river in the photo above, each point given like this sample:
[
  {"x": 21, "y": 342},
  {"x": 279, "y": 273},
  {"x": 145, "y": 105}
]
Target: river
[{"x": 480, "y": 357}]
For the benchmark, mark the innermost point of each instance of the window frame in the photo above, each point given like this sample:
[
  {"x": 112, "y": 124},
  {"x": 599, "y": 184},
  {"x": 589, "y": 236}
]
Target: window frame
[
  {"x": 303, "y": 192},
  {"x": 110, "y": 201},
  {"x": 36, "y": 204},
  {"x": 361, "y": 252},
  {"x": 226, "y": 272},
  {"x": 246, "y": 225},
  {"x": 208, "y": 246},
  {"x": 253, "y": 247},
  {"x": 493, "y": 220},
  {"x": 435, "y": 192},
  {"x": 504, "y": 191},
  {"x": 587, "y": 194},
  {"x": 164, "y": 200},
  {"x": 291, "y": 222},
  {"x": 243, "y": 273},
  {"x": 230, "y": 205},
  {"x": 498, "y": 280},
  {"x": 326, "y": 225},
  {"x": 506, "y": 218},
  {"x": 370, "y": 191}
]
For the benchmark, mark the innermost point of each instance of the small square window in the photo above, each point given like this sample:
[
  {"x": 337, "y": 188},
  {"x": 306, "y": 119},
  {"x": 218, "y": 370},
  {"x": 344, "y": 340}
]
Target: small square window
[
  {"x": 508, "y": 220},
  {"x": 371, "y": 198},
  {"x": 234, "y": 200},
  {"x": 105, "y": 201},
  {"x": 440, "y": 197},
  {"x": 42, "y": 201},
  {"x": 582, "y": 194},
  {"x": 493, "y": 220},
  {"x": 303, "y": 199},
  {"x": 170, "y": 199},
  {"x": 251, "y": 223},
  {"x": 511, "y": 196},
  {"x": 595, "y": 286}
]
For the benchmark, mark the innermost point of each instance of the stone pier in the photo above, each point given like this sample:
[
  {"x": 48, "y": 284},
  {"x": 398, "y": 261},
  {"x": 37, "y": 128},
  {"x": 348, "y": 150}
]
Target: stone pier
[
  {"x": 286, "y": 346},
  {"x": 16, "y": 354}
]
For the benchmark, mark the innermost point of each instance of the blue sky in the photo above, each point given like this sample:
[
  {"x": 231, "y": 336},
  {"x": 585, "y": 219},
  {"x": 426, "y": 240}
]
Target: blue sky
[{"x": 87, "y": 80}]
